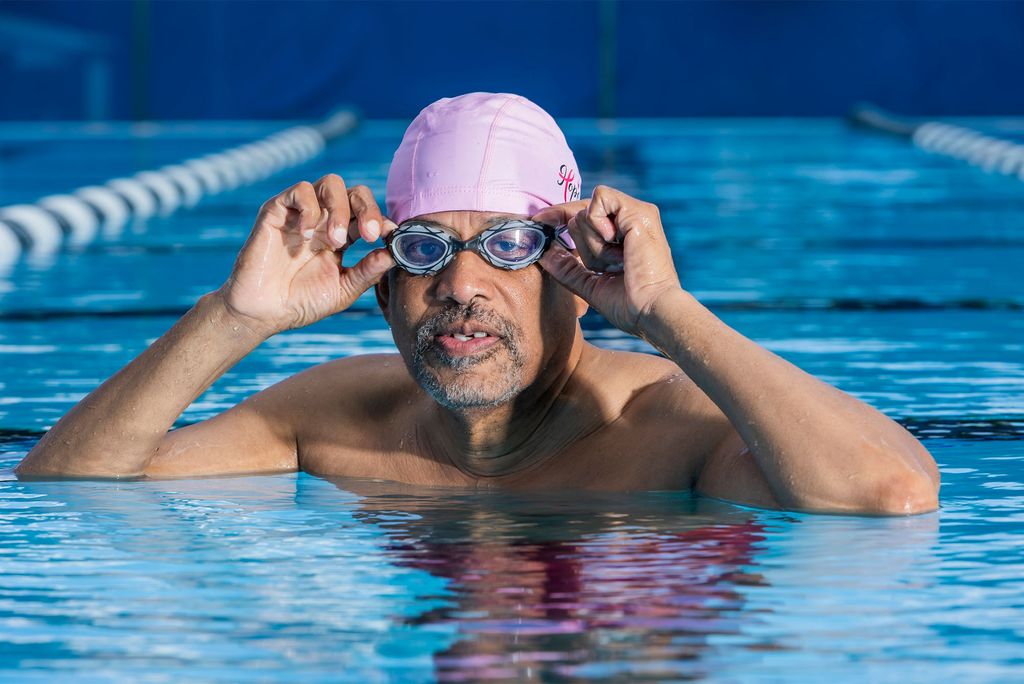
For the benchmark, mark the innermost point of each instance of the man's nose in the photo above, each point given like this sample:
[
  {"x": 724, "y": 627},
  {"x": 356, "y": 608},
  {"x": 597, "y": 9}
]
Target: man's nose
[{"x": 465, "y": 278}]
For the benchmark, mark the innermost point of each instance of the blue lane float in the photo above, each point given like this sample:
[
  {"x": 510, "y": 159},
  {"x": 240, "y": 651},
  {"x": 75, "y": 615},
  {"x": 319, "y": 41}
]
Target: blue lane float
[
  {"x": 991, "y": 154},
  {"x": 79, "y": 217}
]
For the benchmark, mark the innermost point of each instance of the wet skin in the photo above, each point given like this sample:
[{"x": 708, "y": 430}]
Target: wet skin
[
  {"x": 583, "y": 417},
  {"x": 494, "y": 386}
]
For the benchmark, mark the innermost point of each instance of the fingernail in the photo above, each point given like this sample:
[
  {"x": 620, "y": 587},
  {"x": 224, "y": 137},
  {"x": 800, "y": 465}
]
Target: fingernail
[
  {"x": 339, "y": 236},
  {"x": 390, "y": 225},
  {"x": 308, "y": 233},
  {"x": 373, "y": 229}
]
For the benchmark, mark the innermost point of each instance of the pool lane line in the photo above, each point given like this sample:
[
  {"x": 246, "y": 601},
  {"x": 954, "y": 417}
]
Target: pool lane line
[
  {"x": 777, "y": 245},
  {"x": 82, "y": 216},
  {"x": 592, "y": 321},
  {"x": 973, "y": 429},
  {"x": 992, "y": 155}
]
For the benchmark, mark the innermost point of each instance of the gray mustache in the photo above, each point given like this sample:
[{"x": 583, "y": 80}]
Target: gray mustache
[
  {"x": 429, "y": 356},
  {"x": 462, "y": 314}
]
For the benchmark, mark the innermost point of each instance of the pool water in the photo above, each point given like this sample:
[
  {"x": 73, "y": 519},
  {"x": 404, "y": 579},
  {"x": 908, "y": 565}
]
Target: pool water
[{"x": 890, "y": 273}]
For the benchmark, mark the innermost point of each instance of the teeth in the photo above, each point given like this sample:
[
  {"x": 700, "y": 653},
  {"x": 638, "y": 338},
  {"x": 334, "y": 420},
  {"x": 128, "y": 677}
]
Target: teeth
[{"x": 463, "y": 338}]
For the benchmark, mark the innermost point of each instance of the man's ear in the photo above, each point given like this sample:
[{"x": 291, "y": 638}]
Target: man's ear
[{"x": 382, "y": 290}]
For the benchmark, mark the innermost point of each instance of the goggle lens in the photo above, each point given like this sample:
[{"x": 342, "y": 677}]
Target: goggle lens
[
  {"x": 423, "y": 249},
  {"x": 514, "y": 245},
  {"x": 420, "y": 250}
]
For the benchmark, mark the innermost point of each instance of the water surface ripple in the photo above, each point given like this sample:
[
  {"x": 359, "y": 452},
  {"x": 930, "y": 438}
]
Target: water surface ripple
[{"x": 889, "y": 273}]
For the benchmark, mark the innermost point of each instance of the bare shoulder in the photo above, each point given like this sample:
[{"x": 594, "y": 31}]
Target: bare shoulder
[
  {"x": 379, "y": 367},
  {"x": 662, "y": 413},
  {"x": 649, "y": 389},
  {"x": 639, "y": 375},
  {"x": 335, "y": 389}
]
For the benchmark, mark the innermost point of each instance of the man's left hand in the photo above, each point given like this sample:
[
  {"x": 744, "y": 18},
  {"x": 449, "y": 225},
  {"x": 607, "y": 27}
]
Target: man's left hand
[{"x": 625, "y": 267}]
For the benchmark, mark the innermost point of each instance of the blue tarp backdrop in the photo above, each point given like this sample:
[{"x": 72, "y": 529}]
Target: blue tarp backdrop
[{"x": 147, "y": 59}]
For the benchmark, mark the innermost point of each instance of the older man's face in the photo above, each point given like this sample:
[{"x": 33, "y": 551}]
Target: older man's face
[{"x": 473, "y": 335}]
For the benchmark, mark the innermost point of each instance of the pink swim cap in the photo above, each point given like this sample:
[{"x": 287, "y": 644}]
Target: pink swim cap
[{"x": 483, "y": 152}]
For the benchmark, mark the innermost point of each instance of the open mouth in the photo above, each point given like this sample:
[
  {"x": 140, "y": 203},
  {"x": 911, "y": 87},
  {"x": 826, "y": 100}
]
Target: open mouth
[
  {"x": 466, "y": 341},
  {"x": 466, "y": 338}
]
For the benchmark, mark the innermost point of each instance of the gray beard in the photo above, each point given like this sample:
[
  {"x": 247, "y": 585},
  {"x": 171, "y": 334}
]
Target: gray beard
[{"x": 467, "y": 391}]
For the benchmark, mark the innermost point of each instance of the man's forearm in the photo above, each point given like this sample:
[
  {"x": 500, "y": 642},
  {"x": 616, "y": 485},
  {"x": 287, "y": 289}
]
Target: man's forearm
[
  {"x": 819, "y": 448},
  {"x": 115, "y": 431}
]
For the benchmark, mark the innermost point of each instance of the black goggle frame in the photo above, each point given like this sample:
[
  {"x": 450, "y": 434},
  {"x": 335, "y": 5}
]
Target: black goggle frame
[{"x": 453, "y": 245}]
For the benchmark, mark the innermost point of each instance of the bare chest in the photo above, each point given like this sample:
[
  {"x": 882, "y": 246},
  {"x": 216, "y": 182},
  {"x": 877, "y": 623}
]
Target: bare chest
[{"x": 618, "y": 457}]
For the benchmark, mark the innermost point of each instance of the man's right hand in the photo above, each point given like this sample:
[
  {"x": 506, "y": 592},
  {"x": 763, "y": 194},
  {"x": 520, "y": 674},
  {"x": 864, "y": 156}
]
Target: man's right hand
[{"x": 289, "y": 272}]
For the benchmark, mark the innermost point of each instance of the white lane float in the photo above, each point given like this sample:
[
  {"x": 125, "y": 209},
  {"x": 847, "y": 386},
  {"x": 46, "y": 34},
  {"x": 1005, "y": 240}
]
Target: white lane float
[
  {"x": 83, "y": 215},
  {"x": 163, "y": 188},
  {"x": 41, "y": 228},
  {"x": 140, "y": 198},
  {"x": 81, "y": 219},
  {"x": 112, "y": 208},
  {"x": 10, "y": 245},
  {"x": 230, "y": 175},
  {"x": 187, "y": 181},
  {"x": 991, "y": 154},
  {"x": 207, "y": 174}
]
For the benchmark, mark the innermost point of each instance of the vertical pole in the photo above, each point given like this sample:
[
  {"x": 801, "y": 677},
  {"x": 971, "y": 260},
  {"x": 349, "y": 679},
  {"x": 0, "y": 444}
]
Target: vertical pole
[
  {"x": 97, "y": 89},
  {"x": 608, "y": 18},
  {"x": 140, "y": 60}
]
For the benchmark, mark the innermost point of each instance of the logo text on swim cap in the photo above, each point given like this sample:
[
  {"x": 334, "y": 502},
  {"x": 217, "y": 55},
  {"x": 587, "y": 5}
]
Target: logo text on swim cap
[{"x": 567, "y": 178}]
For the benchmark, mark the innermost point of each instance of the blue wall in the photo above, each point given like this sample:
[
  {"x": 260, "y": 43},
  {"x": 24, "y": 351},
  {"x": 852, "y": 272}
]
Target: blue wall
[{"x": 174, "y": 60}]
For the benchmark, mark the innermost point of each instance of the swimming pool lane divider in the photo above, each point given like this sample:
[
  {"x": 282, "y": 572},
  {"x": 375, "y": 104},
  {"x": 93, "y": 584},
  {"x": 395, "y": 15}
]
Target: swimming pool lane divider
[
  {"x": 86, "y": 214},
  {"x": 993, "y": 155}
]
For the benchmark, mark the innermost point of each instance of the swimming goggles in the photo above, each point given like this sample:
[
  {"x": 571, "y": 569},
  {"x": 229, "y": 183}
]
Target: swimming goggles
[{"x": 424, "y": 249}]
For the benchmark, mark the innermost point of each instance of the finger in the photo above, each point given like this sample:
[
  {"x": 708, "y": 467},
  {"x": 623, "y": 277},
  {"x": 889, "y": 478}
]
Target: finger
[
  {"x": 632, "y": 217},
  {"x": 567, "y": 270},
  {"x": 559, "y": 214},
  {"x": 387, "y": 227},
  {"x": 604, "y": 205},
  {"x": 597, "y": 253},
  {"x": 364, "y": 274},
  {"x": 294, "y": 210},
  {"x": 584, "y": 248},
  {"x": 366, "y": 213},
  {"x": 333, "y": 197}
]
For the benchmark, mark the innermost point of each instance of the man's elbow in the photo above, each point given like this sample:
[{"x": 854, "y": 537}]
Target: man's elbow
[
  {"x": 908, "y": 494},
  {"x": 43, "y": 469}
]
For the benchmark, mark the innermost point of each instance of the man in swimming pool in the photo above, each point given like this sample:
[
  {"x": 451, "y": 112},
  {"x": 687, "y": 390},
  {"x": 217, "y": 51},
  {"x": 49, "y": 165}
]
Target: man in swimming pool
[{"x": 495, "y": 385}]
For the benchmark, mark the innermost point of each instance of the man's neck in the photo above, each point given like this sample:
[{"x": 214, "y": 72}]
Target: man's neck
[{"x": 506, "y": 439}]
